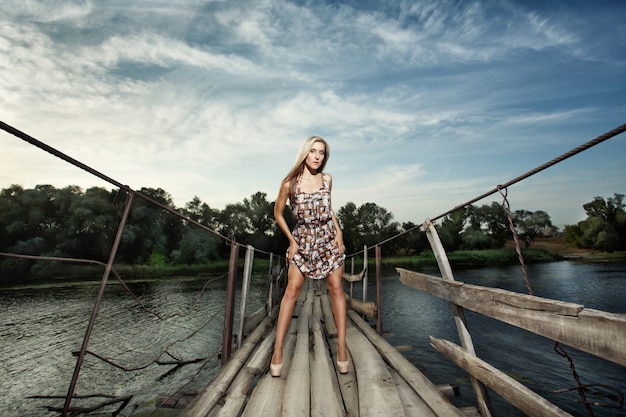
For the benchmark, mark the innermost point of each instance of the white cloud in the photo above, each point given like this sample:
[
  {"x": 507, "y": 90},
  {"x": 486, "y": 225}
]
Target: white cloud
[{"x": 424, "y": 104}]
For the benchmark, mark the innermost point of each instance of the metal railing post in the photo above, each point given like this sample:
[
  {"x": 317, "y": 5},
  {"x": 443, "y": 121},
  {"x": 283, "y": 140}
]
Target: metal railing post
[
  {"x": 245, "y": 285},
  {"x": 96, "y": 307},
  {"x": 379, "y": 321}
]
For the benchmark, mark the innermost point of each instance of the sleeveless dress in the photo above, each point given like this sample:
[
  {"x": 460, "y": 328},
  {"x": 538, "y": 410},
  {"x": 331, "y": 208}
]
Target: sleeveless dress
[{"x": 315, "y": 231}]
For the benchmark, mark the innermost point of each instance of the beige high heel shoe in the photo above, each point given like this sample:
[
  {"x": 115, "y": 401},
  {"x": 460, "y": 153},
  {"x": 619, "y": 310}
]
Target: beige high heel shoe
[
  {"x": 343, "y": 366},
  {"x": 276, "y": 369}
]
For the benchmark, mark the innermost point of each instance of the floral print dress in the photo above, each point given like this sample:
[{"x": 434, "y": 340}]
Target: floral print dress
[{"x": 315, "y": 232}]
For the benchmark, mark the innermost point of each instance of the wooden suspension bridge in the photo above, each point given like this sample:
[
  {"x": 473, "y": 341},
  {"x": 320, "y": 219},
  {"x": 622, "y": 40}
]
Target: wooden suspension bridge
[{"x": 380, "y": 381}]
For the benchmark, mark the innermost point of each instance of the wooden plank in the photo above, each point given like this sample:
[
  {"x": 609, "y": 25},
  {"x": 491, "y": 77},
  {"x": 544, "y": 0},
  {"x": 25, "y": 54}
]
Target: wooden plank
[
  {"x": 377, "y": 392},
  {"x": 298, "y": 382},
  {"x": 238, "y": 391},
  {"x": 237, "y": 395},
  {"x": 325, "y": 397},
  {"x": 354, "y": 277},
  {"x": 262, "y": 356},
  {"x": 596, "y": 332},
  {"x": 347, "y": 382},
  {"x": 253, "y": 320},
  {"x": 329, "y": 320},
  {"x": 470, "y": 411},
  {"x": 412, "y": 403},
  {"x": 364, "y": 307},
  {"x": 418, "y": 381},
  {"x": 218, "y": 386},
  {"x": 266, "y": 399},
  {"x": 514, "y": 392}
]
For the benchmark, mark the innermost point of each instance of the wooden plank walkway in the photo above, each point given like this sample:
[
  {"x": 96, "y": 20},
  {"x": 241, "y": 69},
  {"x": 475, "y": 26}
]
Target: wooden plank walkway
[{"x": 381, "y": 382}]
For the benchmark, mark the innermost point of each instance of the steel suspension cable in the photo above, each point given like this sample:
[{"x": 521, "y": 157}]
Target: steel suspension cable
[{"x": 498, "y": 188}]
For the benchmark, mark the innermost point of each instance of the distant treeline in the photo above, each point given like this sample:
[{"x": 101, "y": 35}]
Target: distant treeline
[{"x": 70, "y": 222}]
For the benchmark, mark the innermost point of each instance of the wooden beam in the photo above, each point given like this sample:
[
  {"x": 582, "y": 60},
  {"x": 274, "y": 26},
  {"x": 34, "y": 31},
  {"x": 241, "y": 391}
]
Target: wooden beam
[
  {"x": 364, "y": 307},
  {"x": 416, "y": 379},
  {"x": 354, "y": 277},
  {"x": 596, "y": 332},
  {"x": 296, "y": 398},
  {"x": 482, "y": 397},
  {"x": 204, "y": 402},
  {"x": 519, "y": 395},
  {"x": 378, "y": 395}
]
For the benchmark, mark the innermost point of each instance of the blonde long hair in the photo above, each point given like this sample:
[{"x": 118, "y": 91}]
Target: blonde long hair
[{"x": 303, "y": 152}]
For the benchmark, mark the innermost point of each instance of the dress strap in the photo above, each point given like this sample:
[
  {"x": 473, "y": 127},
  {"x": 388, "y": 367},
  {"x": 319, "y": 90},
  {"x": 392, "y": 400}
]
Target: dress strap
[{"x": 324, "y": 180}]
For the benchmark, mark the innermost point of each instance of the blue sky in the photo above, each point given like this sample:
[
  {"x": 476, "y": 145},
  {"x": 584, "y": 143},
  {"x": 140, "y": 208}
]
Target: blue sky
[{"x": 425, "y": 104}]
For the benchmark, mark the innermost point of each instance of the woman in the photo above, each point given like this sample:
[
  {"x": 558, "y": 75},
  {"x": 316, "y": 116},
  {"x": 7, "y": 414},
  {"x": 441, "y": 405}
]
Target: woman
[{"x": 316, "y": 248}]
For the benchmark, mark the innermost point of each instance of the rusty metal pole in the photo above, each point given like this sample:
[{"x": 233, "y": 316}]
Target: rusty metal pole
[
  {"x": 229, "y": 314},
  {"x": 96, "y": 307},
  {"x": 379, "y": 321}
]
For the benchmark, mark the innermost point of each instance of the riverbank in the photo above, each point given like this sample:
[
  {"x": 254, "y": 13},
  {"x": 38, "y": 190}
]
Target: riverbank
[
  {"x": 559, "y": 246},
  {"x": 542, "y": 250}
]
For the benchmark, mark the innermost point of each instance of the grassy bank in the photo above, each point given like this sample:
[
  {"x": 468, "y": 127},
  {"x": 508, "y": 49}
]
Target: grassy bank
[
  {"x": 542, "y": 250},
  {"x": 504, "y": 256}
]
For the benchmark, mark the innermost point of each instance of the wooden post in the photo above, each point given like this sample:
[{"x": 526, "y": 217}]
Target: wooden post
[
  {"x": 270, "y": 277},
  {"x": 245, "y": 285},
  {"x": 379, "y": 322},
  {"x": 365, "y": 276},
  {"x": 352, "y": 273},
  {"x": 229, "y": 312},
  {"x": 459, "y": 315}
]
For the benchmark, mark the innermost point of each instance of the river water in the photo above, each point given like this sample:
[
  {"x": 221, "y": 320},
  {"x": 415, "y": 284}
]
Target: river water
[{"x": 40, "y": 327}]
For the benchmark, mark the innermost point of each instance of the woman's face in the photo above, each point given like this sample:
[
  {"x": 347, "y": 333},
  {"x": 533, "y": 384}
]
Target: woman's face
[{"x": 316, "y": 156}]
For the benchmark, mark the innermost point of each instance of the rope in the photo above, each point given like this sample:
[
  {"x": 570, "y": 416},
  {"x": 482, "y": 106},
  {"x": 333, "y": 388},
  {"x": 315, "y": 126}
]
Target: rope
[{"x": 518, "y": 249}]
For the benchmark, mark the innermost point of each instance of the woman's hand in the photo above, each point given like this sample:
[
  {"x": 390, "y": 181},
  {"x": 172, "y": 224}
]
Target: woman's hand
[
  {"x": 339, "y": 244},
  {"x": 291, "y": 252}
]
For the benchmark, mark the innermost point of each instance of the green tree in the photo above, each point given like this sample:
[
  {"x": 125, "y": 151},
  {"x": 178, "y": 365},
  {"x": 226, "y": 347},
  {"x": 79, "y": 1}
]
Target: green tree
[
  {"x": 605, "y": 225},
  {"x": 496, "y": 222},
  {"x": 144, "y": 232},
  {"x": 88, "y": 225},
  {"x": 261, "y": 213},
  {"x": 530, "y": 224},
  {"x": 414, "y": 241},
  {"x": 196, "y": 247},
  {"x": 347, "y": 216},
  {"x": 235, "y": 221},
  {"x": 605, "y": 209},
  {"x": 202, "y": 213},
  {"x": 375, "y": 224},
  {"x": 451, "y": 228}
]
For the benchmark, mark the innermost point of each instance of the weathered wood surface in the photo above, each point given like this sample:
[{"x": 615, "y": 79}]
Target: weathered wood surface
[
  {"x": 310, "y": 384},
  {"x": 514, "y": 392},
  {"x": 368, "y": 308},
  {"x": 204, "y": 402},
  {"x": 465, "y": 337},
  {"x": 416, "y": 380},
  {"x": 354, "y": 277},
  {"x": 596, "y": 332}
]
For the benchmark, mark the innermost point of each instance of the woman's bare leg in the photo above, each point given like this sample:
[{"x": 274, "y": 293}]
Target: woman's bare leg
[
  {"x": 295, "y": 280},
  {"x": 338, "y": 298}
]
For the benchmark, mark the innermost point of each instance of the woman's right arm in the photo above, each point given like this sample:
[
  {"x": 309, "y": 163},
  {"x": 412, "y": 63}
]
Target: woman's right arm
[{"x": 279, "y": 209}]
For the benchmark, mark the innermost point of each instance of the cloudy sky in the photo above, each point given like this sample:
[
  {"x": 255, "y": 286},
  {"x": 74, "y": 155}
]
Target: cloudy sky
[{"x": 425, "y": 104}]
